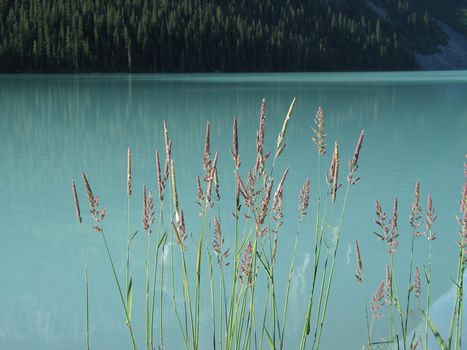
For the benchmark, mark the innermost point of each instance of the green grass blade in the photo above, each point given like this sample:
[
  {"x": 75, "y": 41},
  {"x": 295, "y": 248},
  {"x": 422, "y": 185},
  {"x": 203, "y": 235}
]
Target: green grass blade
[
  {"x": 435, "y": 332},
  {"x": 129, "y": 299}
]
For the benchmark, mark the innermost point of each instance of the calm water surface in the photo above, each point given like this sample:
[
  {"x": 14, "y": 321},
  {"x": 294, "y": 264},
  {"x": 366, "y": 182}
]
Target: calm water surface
[{"x": 54, "y": 127}]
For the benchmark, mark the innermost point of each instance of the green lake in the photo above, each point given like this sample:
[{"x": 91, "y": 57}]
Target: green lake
[{"x": 53, "y": 127}]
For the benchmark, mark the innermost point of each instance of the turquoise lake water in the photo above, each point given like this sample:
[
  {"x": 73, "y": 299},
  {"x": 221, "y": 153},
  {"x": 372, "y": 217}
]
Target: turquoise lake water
[{"x": 54, "y": 127}]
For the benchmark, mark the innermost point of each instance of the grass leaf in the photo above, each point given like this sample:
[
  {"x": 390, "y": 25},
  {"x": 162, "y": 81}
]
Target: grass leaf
[
  {"x": 435, "y": 332},
  {"x": 129, "y": 298}
]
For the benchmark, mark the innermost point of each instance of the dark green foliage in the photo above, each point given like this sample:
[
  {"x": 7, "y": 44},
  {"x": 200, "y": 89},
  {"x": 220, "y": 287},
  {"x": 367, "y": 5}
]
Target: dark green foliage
[
  {"x": 200, "y": 35},
  {"x": 412, "y": 20}
]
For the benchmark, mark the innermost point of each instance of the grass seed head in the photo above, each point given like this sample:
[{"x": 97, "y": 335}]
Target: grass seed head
[
  {"x": 359, "y": 274},
  {"x": 304, "y": 199},
  {"x": 206, "y": 153},
  {"x": 174, "y": 192},
  {"x": 320, "y": 133},
  {"x": 160, "y": 180},
  {"x": 235, "y": 155},
  {"x": 353, "y": 163},
  {"x": 415, "y": 211},
  {"x": 430, "y": 219},
  {"x": 416, "y": 283},
  {"x": 280, "y": 145},
  {"x": 76, "y": 201}
]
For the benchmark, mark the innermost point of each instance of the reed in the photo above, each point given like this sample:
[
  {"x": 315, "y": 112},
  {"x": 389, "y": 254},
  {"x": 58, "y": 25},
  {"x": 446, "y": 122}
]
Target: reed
[
  {"x": 304, "y": 200},
  {"x": 398, "y": 335},
  {"x": 431, "y": 236},
  {"x": 360, "y": 280},
  {"x": 85, "y": 263},
  {"x": 353, "y": 165},
  {"x": 237, "y": 322},
  {"x": 128, "y": 278},
  {"x": 98, "y": 216},
  {"x": 319, "y": 140}
]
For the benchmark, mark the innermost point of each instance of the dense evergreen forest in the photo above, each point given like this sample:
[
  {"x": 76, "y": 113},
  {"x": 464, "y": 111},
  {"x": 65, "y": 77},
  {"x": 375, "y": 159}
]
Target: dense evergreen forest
[{"x": 210, "y": 35}]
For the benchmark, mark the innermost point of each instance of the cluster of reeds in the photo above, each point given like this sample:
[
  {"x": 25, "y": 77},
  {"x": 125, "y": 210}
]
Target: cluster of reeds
[
  {"x": 397, "y": 304},
  {"x": 256, "y": 223}
]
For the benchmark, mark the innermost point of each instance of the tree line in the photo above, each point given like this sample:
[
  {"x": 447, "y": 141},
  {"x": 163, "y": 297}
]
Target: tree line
[{"x": 197, "y": 35}]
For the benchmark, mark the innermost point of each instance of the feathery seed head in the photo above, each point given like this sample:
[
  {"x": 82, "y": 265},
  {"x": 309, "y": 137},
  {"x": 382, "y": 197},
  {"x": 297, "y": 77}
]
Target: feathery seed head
[
  {"x": 353, "y": 163},
  {"x": 160, "y": 180},
  {"x": 430, "y": 219},
  {"x": 245, "y": 266},
  {"x": 280, "y": 139},
  {"x": 334, "y": 172},
  {"x": 304, "y": 199},
  {"x": 320, "y": 133},
  {"x": 206, "y": 154},
  {"x": 174, "y": 192},
  {"x": 416, "y": 284}
]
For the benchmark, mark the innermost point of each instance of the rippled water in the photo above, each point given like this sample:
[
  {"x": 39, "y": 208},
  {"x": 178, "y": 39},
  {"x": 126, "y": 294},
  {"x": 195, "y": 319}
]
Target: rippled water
[{"x": 54, "y": 127}]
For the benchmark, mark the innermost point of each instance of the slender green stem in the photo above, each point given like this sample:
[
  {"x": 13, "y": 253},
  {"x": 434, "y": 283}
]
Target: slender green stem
[
  {"x": 236, "y": 257},
  {"x": 187, "y": 299},
  {"x": 127, "y": 270},
  {"x": 458, "y": 341},
  {"x": 392, "y": 326},
  {"x": 252, "y": 292},
  {"x": 395, "y": 297},
  {"x": 148, "y": 332},
  {"x": 222, "y": 305},
  {"x": 88, "y": 346},
  {"x": 458, "y": 291},
  {"x": 162, "y": 237},
  {"x": 119, "y": 290},
  {"x": 174, "y": 302},
  {"x": 367, "y": 318},
  {"x": 409, "y": 291},
  {"x": 86, "y": 288},
  {"x": 428, "y": 293},
  {"x": 328, "y": 289},
  {"x": 213, "y": 302},
  {"x": 319, "y": 230},
  {"x": 198, "y": 277},
  {"x": 266, "y": 302},
  {"x": 286, "y": 302},
  {"x": 161, "y": 317}
]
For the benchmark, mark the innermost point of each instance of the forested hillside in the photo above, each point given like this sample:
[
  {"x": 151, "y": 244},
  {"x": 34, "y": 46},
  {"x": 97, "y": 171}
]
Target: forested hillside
[{"x": 209, "y": 35}]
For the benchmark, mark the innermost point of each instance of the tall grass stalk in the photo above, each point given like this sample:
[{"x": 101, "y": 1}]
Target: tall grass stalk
[
  {"x": 409, "y": 291},
  {"x": 361, "y": 281},
  {"x": 431, "y": 236},
  {"x": 213, "y": 302},
  {"x": 351, "y": 180},
  {"x": 331, "y": 273},
  {"x": 286, "y": 302},
  {"x": 319, "y": 140},
  {"x": 161, "y": 242},
  {"x": 428, "y": 291},
  {"x": 85, "y": 263},
  {"x": 98, "y": 216},
  {"x": 128, "y": 279},
  {"x": 119, "y": 290}
]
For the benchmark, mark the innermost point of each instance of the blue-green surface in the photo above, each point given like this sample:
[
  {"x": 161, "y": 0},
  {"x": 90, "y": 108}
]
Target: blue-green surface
[{"x": 54, "y": 127}]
